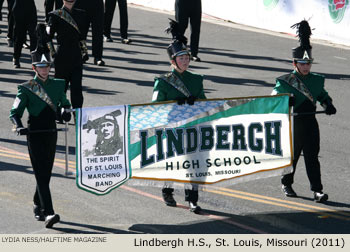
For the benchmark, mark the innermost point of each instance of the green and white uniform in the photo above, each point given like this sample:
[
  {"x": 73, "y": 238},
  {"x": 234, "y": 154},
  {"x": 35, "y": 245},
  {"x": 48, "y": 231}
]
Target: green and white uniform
[
  {"x": 171, "y": 87},
  {"x": 163, "y": 91},
  {"x": 307, "y": 90},
  {"x": 41, "y": 99},
  {"x": 27, "y": 96}
]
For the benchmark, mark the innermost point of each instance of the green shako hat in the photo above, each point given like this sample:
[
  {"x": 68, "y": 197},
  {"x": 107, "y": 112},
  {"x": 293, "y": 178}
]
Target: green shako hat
[
  {"x": 178, "y": 45},
  {"x": 41, "y": 55},
  {"x": 303, "y": 53}
]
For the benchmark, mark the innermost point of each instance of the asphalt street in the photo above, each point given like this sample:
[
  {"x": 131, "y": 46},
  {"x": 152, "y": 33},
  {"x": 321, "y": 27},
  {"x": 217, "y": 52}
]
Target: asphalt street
[{"x": 237, "y": 61}]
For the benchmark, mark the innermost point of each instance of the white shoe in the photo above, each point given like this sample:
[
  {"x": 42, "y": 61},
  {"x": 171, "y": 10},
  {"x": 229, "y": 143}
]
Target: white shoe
[
  {"x": 194, "y": 207},
  {"x": 50, "y": 220},
  {"x": 320, "y": 197}
]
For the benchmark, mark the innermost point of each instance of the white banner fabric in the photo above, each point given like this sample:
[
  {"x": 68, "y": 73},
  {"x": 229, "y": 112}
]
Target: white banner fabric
[
  {"x": 102, "y": 149},
  {"x": 211, "y": 141}
]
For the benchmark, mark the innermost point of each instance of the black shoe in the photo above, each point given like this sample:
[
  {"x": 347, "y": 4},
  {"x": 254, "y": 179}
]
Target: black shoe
[
  {"x": 168, "y": 198},
  {"x": 38, "y": 214},
  {"x": 194, "y": 207},
  {"x": 85, "y": 58},
  {"x": 107, "y": 39},
  {"x": 196, "y": 58},
  {"x": 126, "y": 41},
  {"x": 99, "y": 62},
  {"x": 320, "y": 197},
  {"x": 16, "y": 63},
  {"x": 50, "y": 220},
  {"x": 288, "y": 191}
]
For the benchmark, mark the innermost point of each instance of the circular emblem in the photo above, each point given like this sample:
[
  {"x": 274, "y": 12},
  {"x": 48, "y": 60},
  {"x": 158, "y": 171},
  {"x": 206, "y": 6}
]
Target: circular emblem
[{"x": 337, "y": 9}]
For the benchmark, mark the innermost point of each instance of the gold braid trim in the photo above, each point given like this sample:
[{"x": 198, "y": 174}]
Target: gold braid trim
[
  {"x": 175, "y": 81},
  {"x": 62, "y": 13},
  {"x": 39, "y": 91},
  {"x": 296, "y": 83}
]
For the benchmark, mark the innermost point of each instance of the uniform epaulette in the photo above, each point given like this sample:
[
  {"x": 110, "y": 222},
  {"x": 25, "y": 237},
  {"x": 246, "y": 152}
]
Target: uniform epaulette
[
  {"x": 57, "y": 79},
  {"x": 28, "y": 84},
  {"x": 287, "y": 78},
  {"x": 319, "y": 75},
  {"x": 193, "y": 73},
  {"x": 55, "y": 12},
  {"x": 37, "y": 90},
  {"x": 62, "y": 13},
  {"x": 24, "y": 83},
  {"x": 164, "y": 76}
]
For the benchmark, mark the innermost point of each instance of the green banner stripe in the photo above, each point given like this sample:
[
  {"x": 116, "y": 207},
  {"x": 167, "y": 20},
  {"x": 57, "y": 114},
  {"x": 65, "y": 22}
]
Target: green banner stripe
[
  {"x": 257, "y": 106},
  {"x": 277, "y": 105}
]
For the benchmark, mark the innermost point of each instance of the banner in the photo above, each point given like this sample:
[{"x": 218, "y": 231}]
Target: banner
[
  {"x": 211, "y": 141},
  {"x": 102, "y": 149}
]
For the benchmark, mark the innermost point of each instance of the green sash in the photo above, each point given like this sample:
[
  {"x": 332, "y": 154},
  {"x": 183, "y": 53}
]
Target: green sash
[
  {"x": 39, "y": 91},
  {"x": 298, "y": 84},
  {"x": 64, "y": 14},
  {"x": 175, "y": 81}
]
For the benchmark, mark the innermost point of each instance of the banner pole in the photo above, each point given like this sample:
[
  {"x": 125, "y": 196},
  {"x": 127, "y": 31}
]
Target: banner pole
[
  {"x": 46, "y": 131},
  {"x": 67, "y": 149},
  {"x": 66, "y": 141},
  {"x": 309, "y": 113}
]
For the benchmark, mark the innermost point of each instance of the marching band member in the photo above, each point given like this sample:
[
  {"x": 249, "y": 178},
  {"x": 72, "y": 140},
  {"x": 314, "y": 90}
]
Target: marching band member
[
  {"x": 69, "y": 26},
  {"x": 183, "y": 86},
  {"x": 307, "y": 89},
  {"x": 41, "y": 97}
]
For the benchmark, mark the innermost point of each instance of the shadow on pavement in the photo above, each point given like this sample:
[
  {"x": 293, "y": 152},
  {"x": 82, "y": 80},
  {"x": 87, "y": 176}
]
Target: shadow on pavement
[
  {"x": 270, "y": 223},
  {"x": 88, "y": 229}
]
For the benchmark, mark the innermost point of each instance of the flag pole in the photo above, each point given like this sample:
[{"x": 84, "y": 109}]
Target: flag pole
[
  {"x": 309, "y": 113},
  {"x": 67, "y": 148}
]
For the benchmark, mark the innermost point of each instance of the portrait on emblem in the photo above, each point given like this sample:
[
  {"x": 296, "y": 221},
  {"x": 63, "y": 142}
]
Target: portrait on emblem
[{"x": 106, "y": 132}]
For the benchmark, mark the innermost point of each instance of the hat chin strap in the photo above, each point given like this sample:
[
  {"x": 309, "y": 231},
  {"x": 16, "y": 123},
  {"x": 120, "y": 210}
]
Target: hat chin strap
[
  {"x": 41, "y": 76},
  {"x": 296, "y": 66},
  {"x": 177, "y": 64},
  {"x": 179, "y": 67}
]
